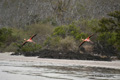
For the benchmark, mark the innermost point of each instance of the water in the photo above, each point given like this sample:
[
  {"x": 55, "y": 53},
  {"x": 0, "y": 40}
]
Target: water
[{"x": 21, "y": 70}]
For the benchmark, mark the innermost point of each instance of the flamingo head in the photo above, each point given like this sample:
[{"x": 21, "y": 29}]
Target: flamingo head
[
  {"x": 82, "y": 39},
  {"x": 25, "y": 39}
]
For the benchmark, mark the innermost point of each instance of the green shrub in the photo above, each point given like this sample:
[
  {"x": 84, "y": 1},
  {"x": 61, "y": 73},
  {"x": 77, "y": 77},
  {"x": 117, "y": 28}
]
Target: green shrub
[
  {"x": 60, "y": 31},
  {"x": 5, "y": 34},
  {"x": 47, "y": 41},
  {"x": 10, "y": 48},
  {"x": 6, "y": 39},
  {"x": 67, "y": 30},
  {"x": 81, "y": 36},
  {"x": 87, "y": 26},
  {"x": 30, "y": 47},
  {"x": 109, "y": 30},
  {"x": 53, "y": 42},
  {"x": 64, "y": 44},
  {"x": 65, "y": 37}
]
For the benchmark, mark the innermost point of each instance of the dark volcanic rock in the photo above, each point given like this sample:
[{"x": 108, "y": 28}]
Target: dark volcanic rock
[
  {"x": 62, "y": 55},
  {"x": 69, "y": 55}
]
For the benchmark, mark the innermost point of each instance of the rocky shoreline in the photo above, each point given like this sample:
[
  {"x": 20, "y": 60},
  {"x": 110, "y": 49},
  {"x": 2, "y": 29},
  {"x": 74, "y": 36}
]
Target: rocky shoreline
[{"x": 64, "y": 55}]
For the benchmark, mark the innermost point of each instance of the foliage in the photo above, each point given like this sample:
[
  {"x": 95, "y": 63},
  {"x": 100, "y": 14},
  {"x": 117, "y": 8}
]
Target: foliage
[
  {"x": 5, "y": 36},
  {"x": 86, "y": 25},
  {"x": 12, "y": 38},
  {"x": 52, "y": 42},
  {"x": 42, "y": 31},
  {"x": 47, "y": 41},
  {"x": 59, "y": 31},
  {"x": 30, "y": 47},
  {"x": 69, "y": 30},
  {"x": 19, "y": 33},
  {"x": 38, "y": 28},
  {"x": 65, "y": 37},
  {"x": 68, "y": 44},
  {"x": 110, "y": 30},
  {"x": 10, "y": 48},
  {"x": 63, "y": 44}
]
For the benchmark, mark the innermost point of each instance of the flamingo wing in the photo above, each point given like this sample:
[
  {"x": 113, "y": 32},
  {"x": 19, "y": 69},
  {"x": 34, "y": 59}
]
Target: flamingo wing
[
  {"x": 81, "y": 43},
  {"x": 33, "y": 36},
  {"x": 90, "y": 36},
  {"x": 24, "y": 43}
]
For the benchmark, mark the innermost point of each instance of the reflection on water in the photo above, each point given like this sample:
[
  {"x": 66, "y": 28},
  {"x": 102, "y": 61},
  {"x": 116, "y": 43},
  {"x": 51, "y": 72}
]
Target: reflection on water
[{"x": 14, "y": 70}]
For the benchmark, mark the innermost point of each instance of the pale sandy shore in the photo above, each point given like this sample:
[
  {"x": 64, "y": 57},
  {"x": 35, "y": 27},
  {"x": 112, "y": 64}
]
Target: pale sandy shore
[{"x": 85, "y": 63}]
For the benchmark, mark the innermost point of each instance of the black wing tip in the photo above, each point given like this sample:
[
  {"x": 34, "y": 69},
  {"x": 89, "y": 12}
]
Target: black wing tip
[
  {"x": 34, "y": 34},
  {"x": 91, "y": 35},
  {"x": 23, "y": 44},
  {"x": 81, "y": 43}
]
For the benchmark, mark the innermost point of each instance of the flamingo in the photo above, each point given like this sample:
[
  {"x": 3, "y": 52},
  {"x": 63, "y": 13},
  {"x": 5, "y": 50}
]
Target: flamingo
[
  {"x": 29, "y": 40},
  {"x": 86, "y": 40}
]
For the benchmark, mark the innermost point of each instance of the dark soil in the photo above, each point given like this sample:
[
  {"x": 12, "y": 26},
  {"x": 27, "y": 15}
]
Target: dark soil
[{"x": 63, "y": 55}]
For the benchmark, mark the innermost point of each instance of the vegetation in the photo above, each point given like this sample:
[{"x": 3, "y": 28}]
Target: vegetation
[
  {"x": 60, "y": 25},
  {"x": 57, "y": 12},
  {"x": 64, "y": 37},
  {"x": 69, "y": 30},
  {"x": 6, "y": 38},
  {"x": 12, "y": 38},
  {"x": 109, "y": 30},
  {"x": 31, "y": 48},
  {"x": 68, "y": 44}
]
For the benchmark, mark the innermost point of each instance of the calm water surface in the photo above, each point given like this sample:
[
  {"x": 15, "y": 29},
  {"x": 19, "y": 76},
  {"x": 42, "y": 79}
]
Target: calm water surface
[{"x": 21, "y": 70}]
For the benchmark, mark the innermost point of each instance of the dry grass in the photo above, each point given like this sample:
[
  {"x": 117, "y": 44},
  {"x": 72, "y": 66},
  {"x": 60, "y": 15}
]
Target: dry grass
[
  {"x": 88, "y": 48},
  {"x": 68, "y": 43}
]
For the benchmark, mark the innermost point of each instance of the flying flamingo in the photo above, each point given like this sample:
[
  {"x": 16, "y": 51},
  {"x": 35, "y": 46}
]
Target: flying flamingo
[
  {"x": 29, "y": 40},
  {"x": 86, "y": 40}
]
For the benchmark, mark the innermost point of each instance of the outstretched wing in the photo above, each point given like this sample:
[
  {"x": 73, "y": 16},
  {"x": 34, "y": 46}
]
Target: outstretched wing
[
  {"x": 33, "y": 36},
  {"x": 81, "y": 43},
  {"x": 90, "y": 36},
  {"x": 24, "y": 43}
]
